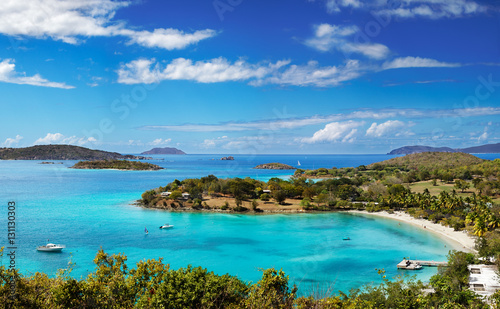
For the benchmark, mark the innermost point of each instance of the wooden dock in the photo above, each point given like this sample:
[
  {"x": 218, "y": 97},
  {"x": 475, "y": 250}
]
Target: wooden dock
[
  {"x": 430, "y": 263},
  {"x": 417, "y": 264}
]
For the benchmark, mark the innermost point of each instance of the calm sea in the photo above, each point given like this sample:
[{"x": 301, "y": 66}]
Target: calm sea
[{"x": 90, "y": 209}]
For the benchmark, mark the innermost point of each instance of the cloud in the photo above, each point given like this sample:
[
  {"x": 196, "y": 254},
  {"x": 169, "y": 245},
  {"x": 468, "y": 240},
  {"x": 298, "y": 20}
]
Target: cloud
[
  {"x": 8, "y": 74},
  {"x": 58, "y": 138},
  {"x": 159, "y": 141},
  {"x": 417, "y": 62},
  {"x": 483, "y": 137},
  {"x": 334, "y": 132},
  {"x": 148, "y": 71},
  {"x": 313, "y": 75},
  {"x": 242, "y": 143},
  {"x": 292, "y": 123},
  {"x": 423, "y": 82},
  {"x": 329, "y": 37},
  {"x": 72, "y": 22},
  {"x": 430, "y": 9},
  {"x": 168, "y": 38},
  {"x": 334, "y": 6},
  {"x": 9, "y": 142},
  {"x": 434, "y": 9},
  {"x": 282, "y": 73},
  {"x": 379, "y": 130}
]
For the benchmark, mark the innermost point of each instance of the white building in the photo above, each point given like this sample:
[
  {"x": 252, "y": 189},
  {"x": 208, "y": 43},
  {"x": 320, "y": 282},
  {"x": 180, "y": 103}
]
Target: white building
[{"x": 483, "y": 279}]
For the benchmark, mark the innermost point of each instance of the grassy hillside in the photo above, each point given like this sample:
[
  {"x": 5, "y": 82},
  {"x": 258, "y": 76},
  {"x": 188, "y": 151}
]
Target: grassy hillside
[{"x": 429, "y": 161}]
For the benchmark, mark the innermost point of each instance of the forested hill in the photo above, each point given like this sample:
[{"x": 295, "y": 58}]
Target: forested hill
[
  {"x": 419, "y": 148},
  {"x": 429, "y": 161},
  {"x": 60, "y": 152},
  {"x": 488, "y": 148},
  {"x": 166, "y": 150}
]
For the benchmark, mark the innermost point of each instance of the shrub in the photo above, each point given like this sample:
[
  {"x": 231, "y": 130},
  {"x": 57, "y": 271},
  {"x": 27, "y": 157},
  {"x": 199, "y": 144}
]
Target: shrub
[{"x": 265, "y": 197}]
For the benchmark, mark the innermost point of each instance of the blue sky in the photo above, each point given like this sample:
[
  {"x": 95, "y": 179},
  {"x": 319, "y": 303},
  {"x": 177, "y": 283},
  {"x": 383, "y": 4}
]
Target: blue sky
[{"x": 240, "y": 76}]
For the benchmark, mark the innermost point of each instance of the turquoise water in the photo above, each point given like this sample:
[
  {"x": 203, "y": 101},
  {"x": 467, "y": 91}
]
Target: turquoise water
[{"x": 89, "y": 209}]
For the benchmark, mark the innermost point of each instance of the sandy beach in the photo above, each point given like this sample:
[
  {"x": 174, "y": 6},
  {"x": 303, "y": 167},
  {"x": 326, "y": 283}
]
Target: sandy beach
[{"x": 462, "y": 240}]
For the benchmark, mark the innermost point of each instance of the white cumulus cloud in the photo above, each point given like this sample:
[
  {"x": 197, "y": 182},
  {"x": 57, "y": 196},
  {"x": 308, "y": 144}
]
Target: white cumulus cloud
[
  {"x": 73, "y": 21},
  {"x": 148, "y": 71},
  {"x": 58, "y": 138},
  {"x": 379, "y": 130},
  {"x": 9, "y": 142},
  {"x": 159, "y": 141},
  {"x": 335, "y": 131},
  {"x": 8, "y": 74},
  {"x": 168, "y": 38}
]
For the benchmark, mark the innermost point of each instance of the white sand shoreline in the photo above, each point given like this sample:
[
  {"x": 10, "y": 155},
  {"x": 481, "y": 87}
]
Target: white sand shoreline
[{"x": 461, "y": 239}]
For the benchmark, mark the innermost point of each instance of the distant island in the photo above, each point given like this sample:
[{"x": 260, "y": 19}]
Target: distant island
[
  {"x": 274, "y": 166},
  {"x": 165, "y": 150},
  {"x": 488, "y": 148},
  {"x": 61, "y": 152},
  {"x": 117, "y": 164},
  {"x": 230, "y": 158}
]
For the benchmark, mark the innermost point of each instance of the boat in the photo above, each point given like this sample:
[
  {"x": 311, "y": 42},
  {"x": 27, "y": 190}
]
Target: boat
[
  {"x": 166, "y": 226},
  {"x": 409, "y": 265},
  {"x": 346, "y": 238},
  {"x": 298, "y": 163},
  {"x": 51, "y": 248}
]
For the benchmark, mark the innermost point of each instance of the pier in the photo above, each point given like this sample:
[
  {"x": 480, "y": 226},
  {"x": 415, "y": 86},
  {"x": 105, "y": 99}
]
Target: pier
[{"x": 417, "y": 264}]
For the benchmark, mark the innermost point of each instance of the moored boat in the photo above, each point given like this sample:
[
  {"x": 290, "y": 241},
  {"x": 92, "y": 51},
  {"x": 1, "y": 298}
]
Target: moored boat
[
  {"x": 51, "y": 248},
  {"x": 166, "y": 226}
]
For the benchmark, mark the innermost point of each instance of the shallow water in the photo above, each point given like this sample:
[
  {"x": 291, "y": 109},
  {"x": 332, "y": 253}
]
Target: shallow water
[{"x": 90, "y": 209}]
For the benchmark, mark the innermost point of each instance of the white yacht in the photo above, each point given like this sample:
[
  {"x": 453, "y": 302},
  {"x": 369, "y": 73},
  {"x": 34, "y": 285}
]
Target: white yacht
[{"x": 51, "y": 248}]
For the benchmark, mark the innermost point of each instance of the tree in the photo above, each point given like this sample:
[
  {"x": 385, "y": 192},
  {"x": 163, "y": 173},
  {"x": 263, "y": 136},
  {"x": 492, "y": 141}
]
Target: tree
[
  {"x": 279, "y": 196},
  {"x": 148, "y": 196},
  {"x": 176, "y": 194},
  {"x": 271, "y": 291},
  {"x": 322, "y": 198},
  {"x": 264, "y": 197},
  {"x": 461, "y": 185}
]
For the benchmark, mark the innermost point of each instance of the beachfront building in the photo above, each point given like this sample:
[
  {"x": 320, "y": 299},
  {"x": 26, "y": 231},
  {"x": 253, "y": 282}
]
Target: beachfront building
[
  {"x": 483, "y": 279},
  {"x": 166, "y": 194}
]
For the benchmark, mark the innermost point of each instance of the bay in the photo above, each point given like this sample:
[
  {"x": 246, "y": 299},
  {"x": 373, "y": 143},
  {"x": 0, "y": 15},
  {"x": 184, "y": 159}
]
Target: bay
[{"x": 91, "y": 209}]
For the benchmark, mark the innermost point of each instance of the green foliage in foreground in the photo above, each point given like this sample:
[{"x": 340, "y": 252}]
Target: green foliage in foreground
[
  {"x": 117, "y": 164},
  {"x": 153, "y": 284}
]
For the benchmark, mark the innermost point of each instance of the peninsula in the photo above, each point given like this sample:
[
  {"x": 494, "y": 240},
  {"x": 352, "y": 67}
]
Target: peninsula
[
  {"x": 62, "y": 152},
  {"x": 446, "y": 189},
  {"x": 117, "y": 165}
]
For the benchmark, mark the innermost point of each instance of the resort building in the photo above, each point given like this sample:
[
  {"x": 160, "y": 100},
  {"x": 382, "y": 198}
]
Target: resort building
[{"x": 483, "y": 279}]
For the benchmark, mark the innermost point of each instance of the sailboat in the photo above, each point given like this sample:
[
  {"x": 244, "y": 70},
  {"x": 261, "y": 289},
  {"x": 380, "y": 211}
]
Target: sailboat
[
  {"x": 146, "y": 230},
  {"x": 298, "y": 163}
]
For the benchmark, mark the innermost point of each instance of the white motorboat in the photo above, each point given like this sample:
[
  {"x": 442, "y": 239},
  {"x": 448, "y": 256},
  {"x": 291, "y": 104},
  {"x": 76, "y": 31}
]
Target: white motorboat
[
  {"x": 166, "y": 226},
  {"x": 51, "y": 248}
]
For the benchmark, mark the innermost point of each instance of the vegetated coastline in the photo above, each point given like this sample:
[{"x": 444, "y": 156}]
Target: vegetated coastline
[
  {"x": 488, "y": 148},
  {"x": 274, "y": 166},
  {"x": 122, "y": 165},
  {"x": 449, "y": 189},
  {"x": 62, "y": 152}
]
